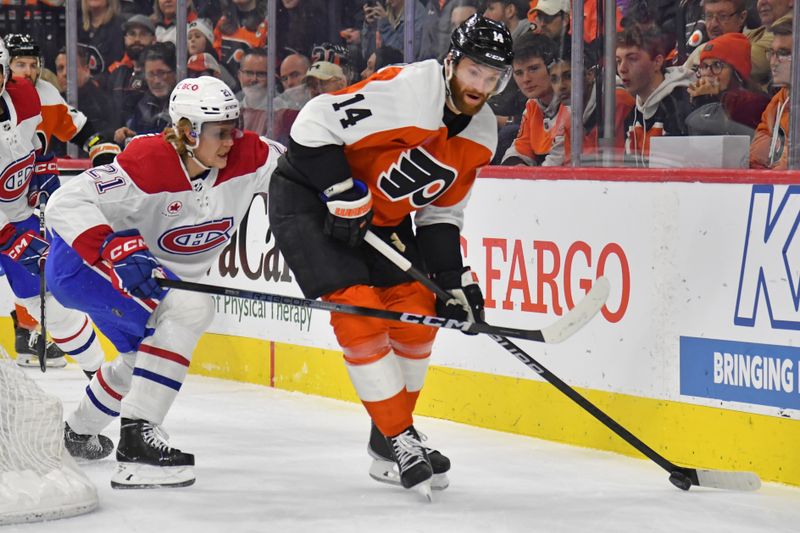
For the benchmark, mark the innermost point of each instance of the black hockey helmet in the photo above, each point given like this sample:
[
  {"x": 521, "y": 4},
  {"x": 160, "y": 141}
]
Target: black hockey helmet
[
  {"x": 482, "y": 40},
  {"x": 21, "y": 45}
]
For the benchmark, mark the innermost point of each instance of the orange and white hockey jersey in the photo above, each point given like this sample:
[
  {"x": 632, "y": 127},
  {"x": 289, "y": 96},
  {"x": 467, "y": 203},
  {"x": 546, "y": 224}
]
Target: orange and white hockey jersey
[
  {"x": 544, "y": 135},
  {"x": 59, "y": 119},
  {"x": 394, "y": 138}
]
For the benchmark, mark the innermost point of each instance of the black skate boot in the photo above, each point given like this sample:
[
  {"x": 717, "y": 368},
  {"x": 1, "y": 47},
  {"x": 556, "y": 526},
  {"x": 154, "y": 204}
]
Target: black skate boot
[
  {"x": 146, "y": 461},
  {"x": 89, "y": 447},
  {"x": 413, "y": 465},
  {"x": 384, "y": 469},
  {"x": 28, "y": 356}
]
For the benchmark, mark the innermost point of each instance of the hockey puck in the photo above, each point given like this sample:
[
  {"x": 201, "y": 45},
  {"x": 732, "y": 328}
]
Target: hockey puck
[{"x": 680, "y": 480}]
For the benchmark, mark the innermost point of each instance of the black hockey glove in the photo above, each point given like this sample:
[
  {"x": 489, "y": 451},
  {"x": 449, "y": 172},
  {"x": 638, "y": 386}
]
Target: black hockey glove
[
  {"x": 349, "y": 211},
  {"x": 467, "y": 299}
]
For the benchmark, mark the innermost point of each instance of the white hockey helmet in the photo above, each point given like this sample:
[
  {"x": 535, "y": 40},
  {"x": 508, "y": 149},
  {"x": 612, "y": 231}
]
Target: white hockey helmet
[{"x": 201, "y": 100}]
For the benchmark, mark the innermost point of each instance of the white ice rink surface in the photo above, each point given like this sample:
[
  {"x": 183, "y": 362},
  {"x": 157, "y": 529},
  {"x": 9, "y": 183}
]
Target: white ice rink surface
[{"x": 272, "y": 461}]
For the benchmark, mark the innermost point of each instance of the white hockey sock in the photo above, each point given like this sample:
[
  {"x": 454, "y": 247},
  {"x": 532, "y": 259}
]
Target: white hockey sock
[
  {"x": 414, "y": 371},
  {"x": 101, "y": 403},
  {"x": 163, "y": 359}
]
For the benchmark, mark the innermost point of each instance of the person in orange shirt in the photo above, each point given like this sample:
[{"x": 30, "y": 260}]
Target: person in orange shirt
[
  {"x": 769, "y": 146},
  {"x": 243, "y": 26},
  {"x": 407, "y": 140},
  {"x": 545, "y": 122}
]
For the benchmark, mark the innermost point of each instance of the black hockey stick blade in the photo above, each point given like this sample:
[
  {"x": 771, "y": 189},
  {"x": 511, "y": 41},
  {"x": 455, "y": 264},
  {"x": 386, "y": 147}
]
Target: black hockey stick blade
[
  {"x": 571, "y": 322},
  {"x": 684, "y": 478},
  {"x": 41, "y": 346}
]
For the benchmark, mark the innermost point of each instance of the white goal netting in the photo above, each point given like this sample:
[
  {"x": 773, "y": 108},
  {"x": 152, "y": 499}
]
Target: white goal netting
[{"x": 39, "y": 480}]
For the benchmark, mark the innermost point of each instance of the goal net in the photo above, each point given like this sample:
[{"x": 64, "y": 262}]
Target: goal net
[{"x": 39, "y": 480}]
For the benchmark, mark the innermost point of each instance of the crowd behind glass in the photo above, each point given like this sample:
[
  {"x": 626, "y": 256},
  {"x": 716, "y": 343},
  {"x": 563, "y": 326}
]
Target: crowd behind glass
[{"x": 725, "y": 72}]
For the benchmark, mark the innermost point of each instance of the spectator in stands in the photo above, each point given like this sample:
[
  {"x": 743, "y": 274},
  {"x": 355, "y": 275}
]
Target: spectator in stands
[
  {"x": 551, "y": 19},
  {"x": 542, "y": 137},
  {"x": 770, "y": 12},
  {"x": 243, "y": 26},
  {"x": 462, "y": 10},
  {"x": 292, "y": 70},
  {"x": 151, "y": 114},
  {"x": 325, "y": 77},
  {"x": 771, "y": 140},
  {"x": 381, "y": 57},
  {"x": 202, "y": 65},
  {"x": 662, "y": 103},
  {"x": 253, "y": 77},
  {"x": 338, "y": 55},
  {"x": 95, "y": 103},
  {"x": 102, "y": 29},
  {"x": 512, "y": 13},
  {"x": 385, "y": 25},
  {"x": 125, "y": 78},
  {"x": 164, "y": 17},
  {"x": 436, "y": 31},
  {"x": 724, "y": 99},
  {"x": 200, "y": 38},
  {"x": 729, "y": 16}
]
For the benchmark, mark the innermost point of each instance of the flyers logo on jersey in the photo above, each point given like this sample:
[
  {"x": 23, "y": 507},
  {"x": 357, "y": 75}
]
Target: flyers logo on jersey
[
  {"x": 15, "y": 177},
  {"x": 418, "y": 176},
  {"x": 190, "y": 240}
]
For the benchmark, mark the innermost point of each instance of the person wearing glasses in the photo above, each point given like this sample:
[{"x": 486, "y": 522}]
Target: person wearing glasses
[
  {"x": 771, "y": 12},
  {"x": 768, "y": 149},
  {"x": 253, "y": 76},
  {"x": 729, "y": 16},
  {"x": 150, "y": 114},
  {"x": 725, "y": 100},
  {"x": 551, "y": 19}
]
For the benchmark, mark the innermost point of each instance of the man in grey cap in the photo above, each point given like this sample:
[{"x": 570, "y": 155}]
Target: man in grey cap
[
  {"x": 325, "y": 77},
  {"x": 125, "y": 78}
]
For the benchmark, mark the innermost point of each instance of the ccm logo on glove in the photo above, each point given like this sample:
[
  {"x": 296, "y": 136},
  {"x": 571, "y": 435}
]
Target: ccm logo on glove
[{"x": 124, "y": 248}]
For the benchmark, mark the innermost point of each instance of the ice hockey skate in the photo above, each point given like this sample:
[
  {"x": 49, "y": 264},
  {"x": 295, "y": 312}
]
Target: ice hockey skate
[
  {"x": 385, "y": 470},
  {"x": 410, "y": 466},
  {"x": 87, "y": 447},
  {"x": 146, "y": 460},
  {"x": 27, "y": 352}
]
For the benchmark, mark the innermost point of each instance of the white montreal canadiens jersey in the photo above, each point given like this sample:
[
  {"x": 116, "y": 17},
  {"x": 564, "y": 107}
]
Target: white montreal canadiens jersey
[
  {"x": 184, "y": 223},
  {"x": 17, "y": 146}
]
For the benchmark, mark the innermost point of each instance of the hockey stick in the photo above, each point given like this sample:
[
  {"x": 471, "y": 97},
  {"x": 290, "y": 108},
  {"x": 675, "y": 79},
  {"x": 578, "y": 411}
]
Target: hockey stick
[
  {"x": 41, "y": 345},
  {"x": 681, "y": 477},
  {"x": 556, "y": 332}
]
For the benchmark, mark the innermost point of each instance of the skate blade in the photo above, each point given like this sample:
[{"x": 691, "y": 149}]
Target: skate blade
[
  {"x": 424, "y": 489},
  {"x": 142, "y": 476},
  {"x": 32, "y": 361},
  {"x": 386, "y": 472}
]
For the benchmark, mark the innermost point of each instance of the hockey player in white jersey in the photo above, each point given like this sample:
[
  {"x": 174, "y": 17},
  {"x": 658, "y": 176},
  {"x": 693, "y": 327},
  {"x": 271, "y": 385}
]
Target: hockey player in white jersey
[
  {"x": 24, "y": 182},
  {"x": 165, "y": 207}
]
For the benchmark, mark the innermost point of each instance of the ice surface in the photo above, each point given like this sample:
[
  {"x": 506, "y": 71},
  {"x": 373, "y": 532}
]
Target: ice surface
[{"x": 273, "y": 461}]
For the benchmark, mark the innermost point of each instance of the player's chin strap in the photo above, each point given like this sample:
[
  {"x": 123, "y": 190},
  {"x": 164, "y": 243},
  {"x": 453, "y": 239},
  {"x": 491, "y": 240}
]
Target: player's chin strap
[{"x": 190, "y": 149}]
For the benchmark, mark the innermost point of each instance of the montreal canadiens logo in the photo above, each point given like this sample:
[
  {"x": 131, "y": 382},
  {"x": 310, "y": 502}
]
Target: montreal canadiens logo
[
  {"x": 15, "y": 177},
  {"x": 190, "y": 240}
]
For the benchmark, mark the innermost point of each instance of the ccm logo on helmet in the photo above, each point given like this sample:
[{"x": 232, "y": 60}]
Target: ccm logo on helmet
[
  {"x": 15, "y": 177},
  {"x": 190, "y": 240},
  {"x": 188, "y": 86}
]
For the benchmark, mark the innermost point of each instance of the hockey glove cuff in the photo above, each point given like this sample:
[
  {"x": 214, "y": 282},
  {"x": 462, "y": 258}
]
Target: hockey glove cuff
[
  {"x": 44, "y": 181},
  {"x": 134, "y": 268},
  {"x": 349, "y": 211},
  {"x": 467, "y": 299},
  {"x": 24, "y": 247}
]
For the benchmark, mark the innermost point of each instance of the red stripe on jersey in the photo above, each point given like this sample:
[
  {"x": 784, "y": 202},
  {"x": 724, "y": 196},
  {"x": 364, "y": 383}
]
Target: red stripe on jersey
[
  {"x": 111, "y": 392},
  {"x": 247, "y": 155},
  {"x": 67, "y": 339},
  {"x": 24, "y": 97},
  {"x": 164, "y": 354},
  {"x": 88, "y": 243}
]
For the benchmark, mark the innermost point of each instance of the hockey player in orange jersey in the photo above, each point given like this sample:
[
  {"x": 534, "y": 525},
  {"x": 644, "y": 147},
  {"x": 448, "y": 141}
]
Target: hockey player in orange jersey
[{"x": 408, "y": 140}]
